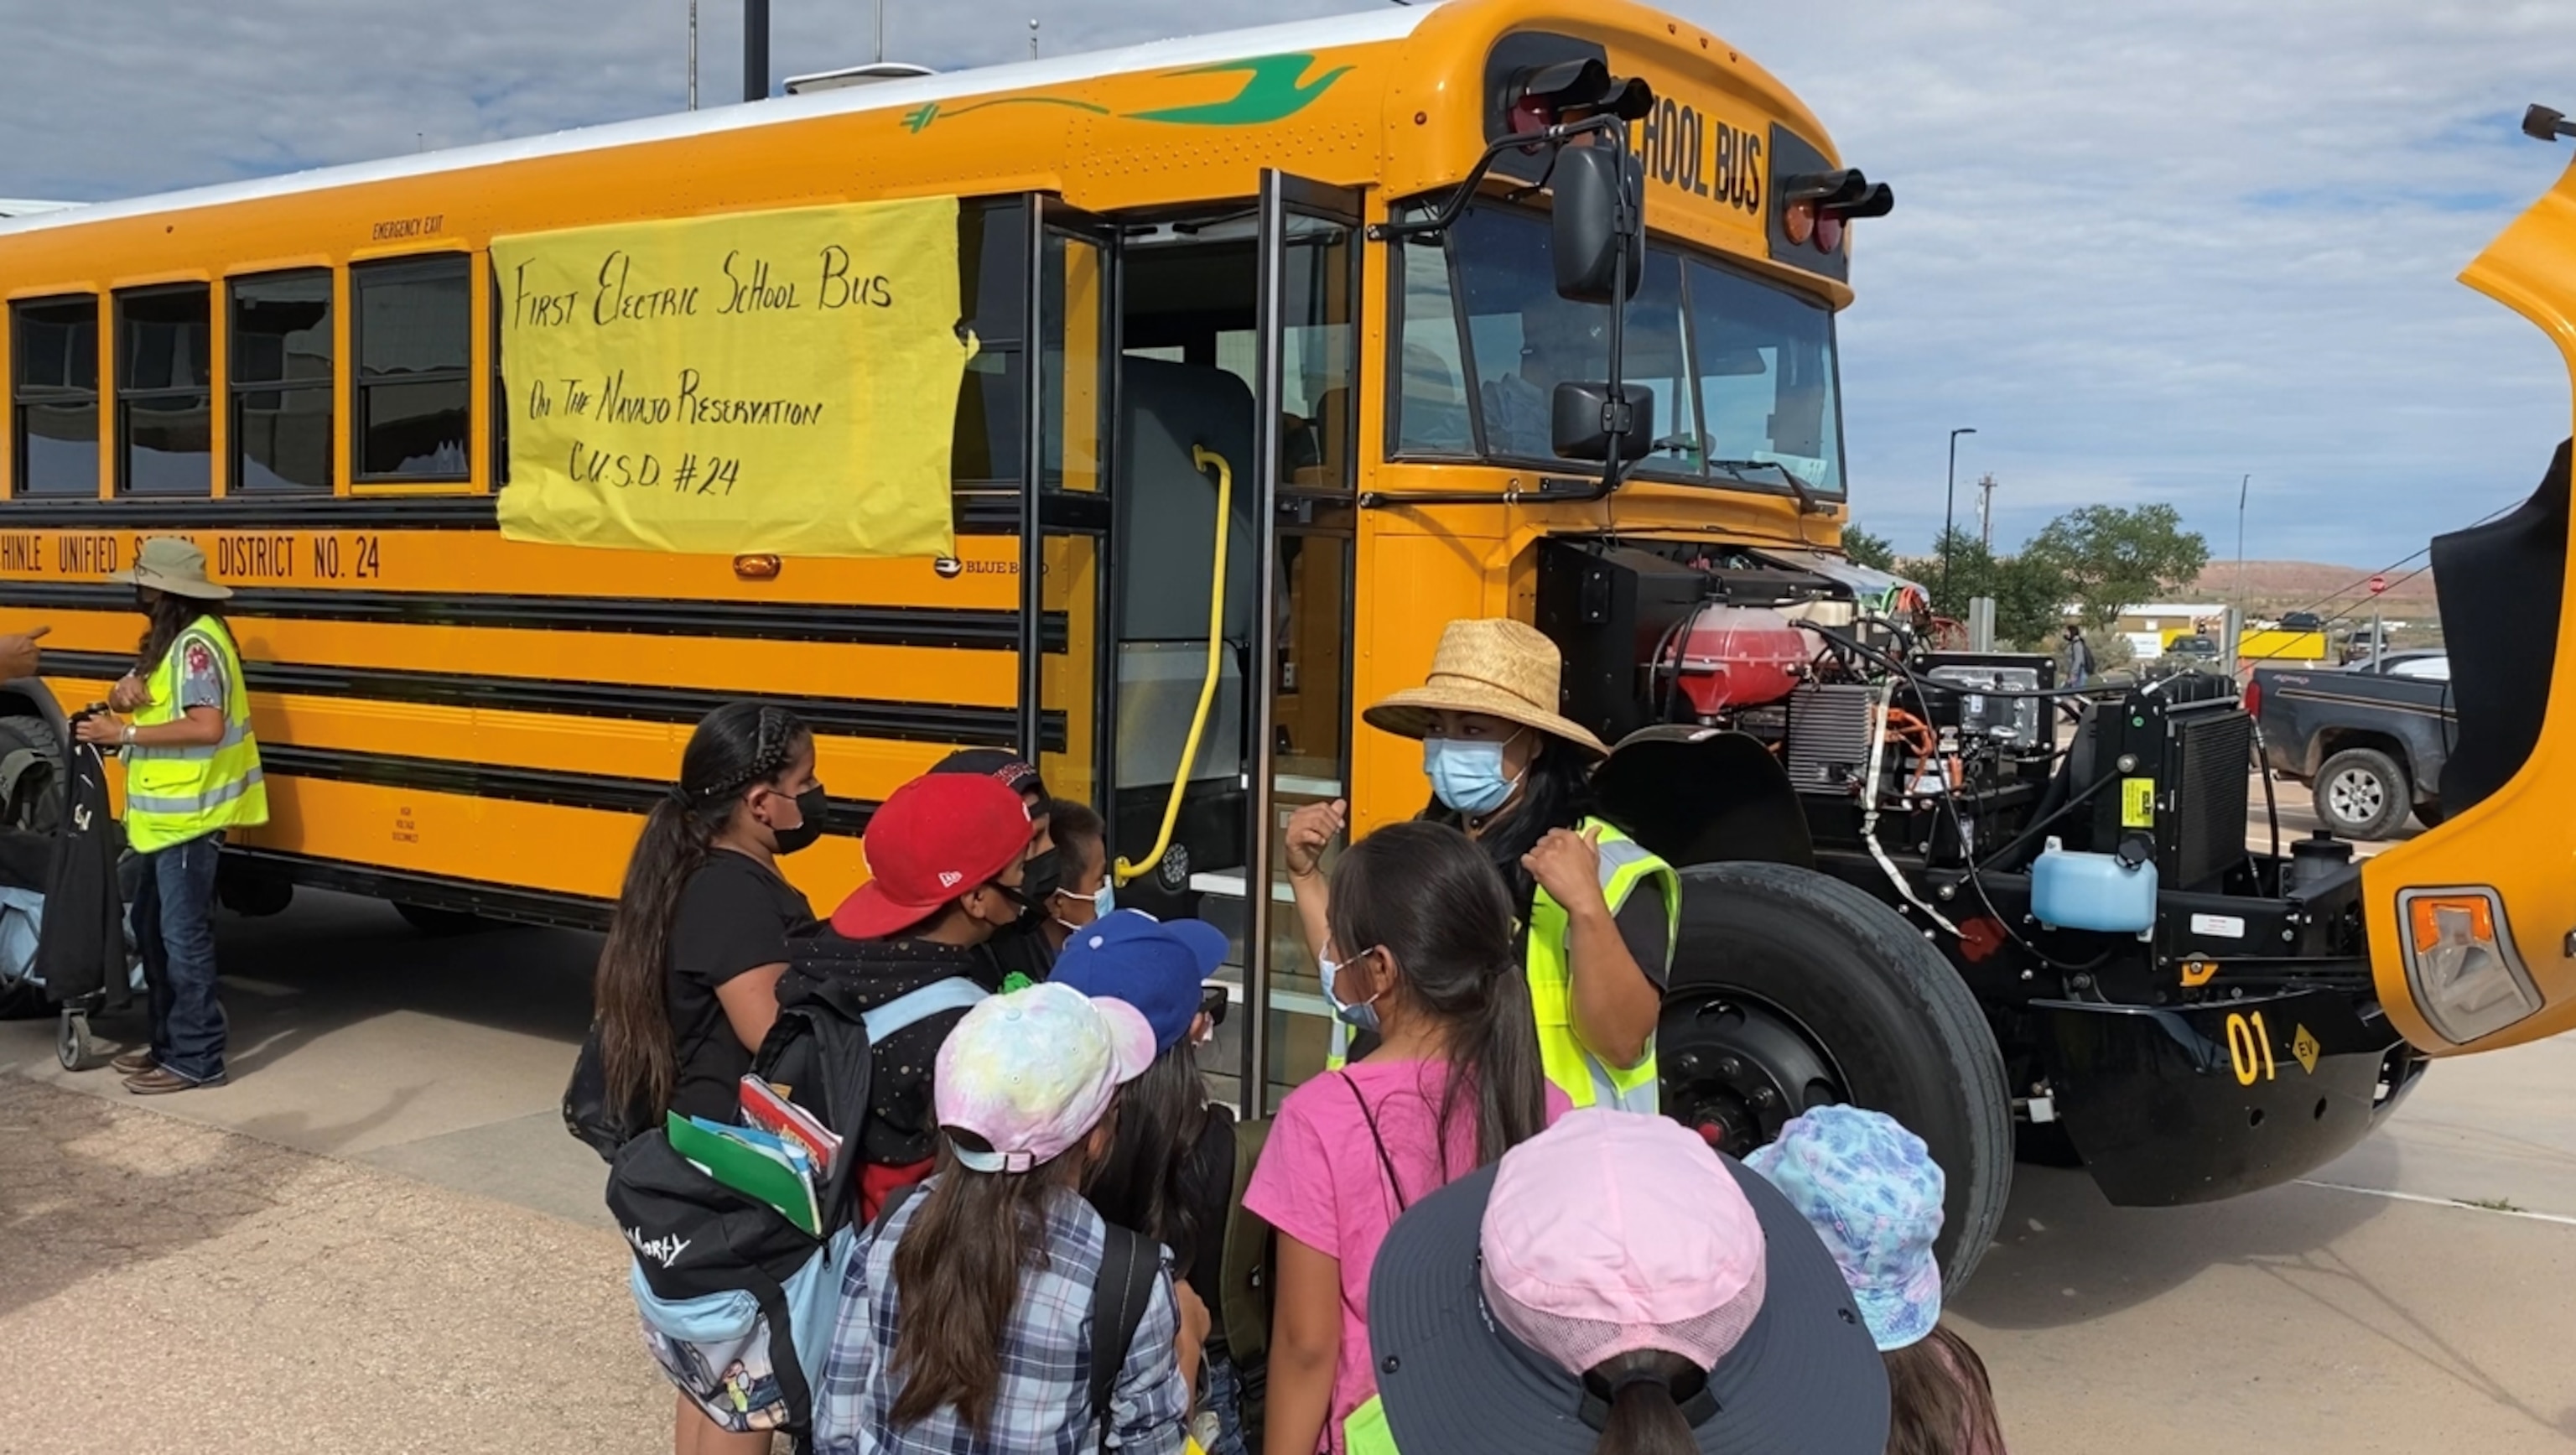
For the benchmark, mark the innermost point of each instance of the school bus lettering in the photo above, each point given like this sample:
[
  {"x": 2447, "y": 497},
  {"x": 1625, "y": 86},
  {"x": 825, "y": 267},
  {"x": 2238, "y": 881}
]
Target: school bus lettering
[
  {"x": 86, "y": 555},
  {"x": 255, "y": 557},
  {"x": 1685, "y": 149},
  {"x": 22, "y": 552},
  {"x": 370, "y": 558}
]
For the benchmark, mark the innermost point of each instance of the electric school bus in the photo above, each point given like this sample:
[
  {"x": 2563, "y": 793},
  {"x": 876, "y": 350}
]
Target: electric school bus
[{"x": 1151, "y": 412}]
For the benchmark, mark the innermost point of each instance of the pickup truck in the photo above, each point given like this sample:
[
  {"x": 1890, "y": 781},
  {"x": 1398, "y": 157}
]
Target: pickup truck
[{"x": 2368, "y": 740}]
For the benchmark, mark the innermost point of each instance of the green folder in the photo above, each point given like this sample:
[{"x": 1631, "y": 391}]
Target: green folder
[{"x": 747, "y": 1170}]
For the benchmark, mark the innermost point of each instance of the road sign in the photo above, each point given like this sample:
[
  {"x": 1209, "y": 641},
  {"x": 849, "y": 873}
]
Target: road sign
[{"x": 2378, "y": 584}]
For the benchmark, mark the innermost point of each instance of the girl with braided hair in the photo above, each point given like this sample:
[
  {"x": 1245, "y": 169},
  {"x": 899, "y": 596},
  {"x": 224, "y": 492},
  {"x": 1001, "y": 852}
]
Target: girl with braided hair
[
  {"x": 688, "y": 980},
  {"x": 687, "y": 983}
]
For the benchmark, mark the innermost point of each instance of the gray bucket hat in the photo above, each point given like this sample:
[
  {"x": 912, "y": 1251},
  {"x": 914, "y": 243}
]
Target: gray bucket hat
[{"x": 175, "y": 565}]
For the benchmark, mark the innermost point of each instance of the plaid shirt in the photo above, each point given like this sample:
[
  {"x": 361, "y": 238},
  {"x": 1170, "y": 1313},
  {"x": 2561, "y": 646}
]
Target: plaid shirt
[{"x": 1044, "y": 1404}]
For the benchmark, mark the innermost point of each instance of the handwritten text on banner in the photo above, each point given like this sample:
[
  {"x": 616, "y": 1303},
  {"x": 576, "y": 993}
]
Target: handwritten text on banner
[{"x": 762, "y": 382}]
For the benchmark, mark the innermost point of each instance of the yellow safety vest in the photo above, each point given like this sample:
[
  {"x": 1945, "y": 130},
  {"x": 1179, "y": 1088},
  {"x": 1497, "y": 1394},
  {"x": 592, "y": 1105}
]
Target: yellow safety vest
[
  {"x": 173, "y": 795},
  {"x": 1584, "y": 1077}
]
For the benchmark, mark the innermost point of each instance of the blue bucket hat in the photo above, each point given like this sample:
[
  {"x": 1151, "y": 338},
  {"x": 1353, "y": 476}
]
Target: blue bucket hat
[
  {"x": 1873, "y": 1193},
  {"x": 1156, "y": 966}
]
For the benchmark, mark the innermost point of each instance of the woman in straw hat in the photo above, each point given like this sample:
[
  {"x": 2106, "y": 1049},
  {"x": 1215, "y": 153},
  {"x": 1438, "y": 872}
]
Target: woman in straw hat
[
  {"x": 1599, "y": 911},
  {"x": 191, "y": 772}
]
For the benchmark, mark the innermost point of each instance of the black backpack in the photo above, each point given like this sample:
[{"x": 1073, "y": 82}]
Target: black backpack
[
  {"x": 80, "y": 948},
  {"x": 737, "y": 1301}
]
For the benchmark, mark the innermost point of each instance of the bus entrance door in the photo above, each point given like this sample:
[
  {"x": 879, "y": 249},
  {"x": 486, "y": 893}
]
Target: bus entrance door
[{"x": 1233, "y": 536}]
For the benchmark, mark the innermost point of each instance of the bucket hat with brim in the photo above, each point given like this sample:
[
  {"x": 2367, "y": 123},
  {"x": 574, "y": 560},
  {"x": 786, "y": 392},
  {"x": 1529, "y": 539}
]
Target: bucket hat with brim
[
  {"x": 1496, "y": 666},
  {"x": 168, "y": 563},
  {"x": 1501, "y": 1306}
]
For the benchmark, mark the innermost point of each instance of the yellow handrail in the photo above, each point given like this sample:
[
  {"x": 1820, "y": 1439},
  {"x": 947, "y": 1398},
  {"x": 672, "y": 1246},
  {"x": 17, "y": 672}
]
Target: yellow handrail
[{"x": 1201, "y": 457}]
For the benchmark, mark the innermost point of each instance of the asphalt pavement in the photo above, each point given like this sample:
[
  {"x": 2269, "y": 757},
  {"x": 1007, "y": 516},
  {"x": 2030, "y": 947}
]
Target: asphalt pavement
[{"x": 378, "y": 1237}]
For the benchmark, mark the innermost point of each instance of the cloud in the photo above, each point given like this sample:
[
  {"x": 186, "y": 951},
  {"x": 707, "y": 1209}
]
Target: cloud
[{"x": 2144, "y": 249}]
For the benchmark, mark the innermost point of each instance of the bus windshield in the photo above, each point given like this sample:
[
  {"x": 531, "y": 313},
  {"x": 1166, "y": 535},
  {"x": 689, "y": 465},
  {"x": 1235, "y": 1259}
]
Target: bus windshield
[{"x": 1742, "y": 372}]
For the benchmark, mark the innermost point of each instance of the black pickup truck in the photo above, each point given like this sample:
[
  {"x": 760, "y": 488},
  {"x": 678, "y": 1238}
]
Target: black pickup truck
[{"x": 2369, "y": 740}]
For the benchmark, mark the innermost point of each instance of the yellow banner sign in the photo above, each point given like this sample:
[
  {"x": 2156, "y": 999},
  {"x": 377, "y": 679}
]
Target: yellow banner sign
[{"x": 768, "y": 382}]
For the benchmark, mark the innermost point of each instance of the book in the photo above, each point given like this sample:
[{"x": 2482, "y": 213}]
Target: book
[
  {"x": 767, "y": 1173},
  {"x": 763, "y": 1107}
]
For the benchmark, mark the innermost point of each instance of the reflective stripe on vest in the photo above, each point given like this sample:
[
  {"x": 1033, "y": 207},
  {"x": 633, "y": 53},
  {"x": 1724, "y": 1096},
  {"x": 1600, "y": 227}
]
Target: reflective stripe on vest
[
  {"x": 1364, "y": 1430},
  {"x": 174, "y": 795},
  {"x": 1586, "y": 1079}
]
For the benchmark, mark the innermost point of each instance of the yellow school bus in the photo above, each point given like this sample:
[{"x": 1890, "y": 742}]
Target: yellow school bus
[{"x": 1338, "y": 295}]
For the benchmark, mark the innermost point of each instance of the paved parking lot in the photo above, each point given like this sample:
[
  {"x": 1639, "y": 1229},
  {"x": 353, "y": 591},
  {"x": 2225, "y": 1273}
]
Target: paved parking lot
[{"x": 379, "y": 1238}]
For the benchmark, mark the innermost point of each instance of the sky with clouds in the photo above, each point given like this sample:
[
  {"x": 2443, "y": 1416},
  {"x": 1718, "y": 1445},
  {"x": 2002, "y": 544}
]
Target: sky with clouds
[{"x": 2143, "y": 249}]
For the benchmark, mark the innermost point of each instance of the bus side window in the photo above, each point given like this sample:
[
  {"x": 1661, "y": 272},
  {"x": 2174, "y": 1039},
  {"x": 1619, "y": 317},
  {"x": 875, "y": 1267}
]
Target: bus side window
[
  {"x": 281, "y": 381},
  {"x": 165, "y": 391},
  {"x": 412, "y": 404},
  {"x": 54, "y": 387}
]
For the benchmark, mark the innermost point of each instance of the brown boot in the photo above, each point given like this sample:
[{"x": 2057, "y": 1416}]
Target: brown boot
[
  {"x": 134, "y": 1062},
  {"x": 161, "y": 1080}
]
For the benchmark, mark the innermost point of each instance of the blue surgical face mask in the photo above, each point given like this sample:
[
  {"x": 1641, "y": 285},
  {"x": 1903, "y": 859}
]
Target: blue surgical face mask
[
  {"x": 1358, "y": 1017},
  {"x": 1104, "y": 901},
  {"x": 1467, "y": 776}
]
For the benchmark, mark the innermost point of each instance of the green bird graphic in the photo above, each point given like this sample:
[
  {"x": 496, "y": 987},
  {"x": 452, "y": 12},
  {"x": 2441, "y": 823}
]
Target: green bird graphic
[{"x": 1272, "y": 91}]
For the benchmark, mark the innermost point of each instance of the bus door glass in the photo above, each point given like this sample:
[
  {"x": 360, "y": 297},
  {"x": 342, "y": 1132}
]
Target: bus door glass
[
  {"x": 1305, "y": 352},
  {"x": 1067, "y": 529}
]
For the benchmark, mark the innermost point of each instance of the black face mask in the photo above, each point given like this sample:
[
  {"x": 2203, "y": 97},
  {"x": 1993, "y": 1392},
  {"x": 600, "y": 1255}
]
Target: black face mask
[
  {"x": 816, "y": 809},
  {"x": 1040, "y": 877}
]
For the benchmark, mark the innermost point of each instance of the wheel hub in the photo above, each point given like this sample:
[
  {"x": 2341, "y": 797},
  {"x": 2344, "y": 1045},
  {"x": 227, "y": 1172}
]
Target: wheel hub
[
  {"x": 1735, "y": 1071},
  {"x": 2356, "y": 795}
]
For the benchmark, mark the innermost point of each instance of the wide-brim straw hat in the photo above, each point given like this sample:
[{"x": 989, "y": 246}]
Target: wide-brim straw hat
[
  {"x": 1501, "y": 668},
  {"x": 174, "y": 565}
]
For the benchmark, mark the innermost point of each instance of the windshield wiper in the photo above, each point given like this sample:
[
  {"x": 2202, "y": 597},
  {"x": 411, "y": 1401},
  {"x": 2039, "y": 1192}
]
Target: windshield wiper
[{"x": 1797, "y": 486}]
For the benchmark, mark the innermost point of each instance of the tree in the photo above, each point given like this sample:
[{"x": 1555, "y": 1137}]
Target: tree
[
  {"x": 1874, "y": 551},
  {"x": 2109, "y": 557},
  {"x": 2030, "y": 599}
]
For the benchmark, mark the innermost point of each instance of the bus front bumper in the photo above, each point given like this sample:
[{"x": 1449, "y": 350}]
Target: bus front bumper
[{"x": 2182, "y": 1104}]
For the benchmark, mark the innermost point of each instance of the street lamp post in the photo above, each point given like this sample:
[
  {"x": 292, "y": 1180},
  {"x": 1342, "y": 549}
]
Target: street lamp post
[
  {"x": 1949, "y": 510},
  {"x": 2241, "y": 486}
]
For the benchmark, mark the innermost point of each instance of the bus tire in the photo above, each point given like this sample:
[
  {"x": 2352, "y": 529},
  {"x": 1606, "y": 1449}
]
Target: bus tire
[{"x": 1792, "y": 990}]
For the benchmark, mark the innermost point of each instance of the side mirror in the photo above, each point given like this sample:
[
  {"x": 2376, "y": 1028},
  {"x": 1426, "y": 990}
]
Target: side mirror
[
  {"x": 1582, "y": 414},
  {"x": 1596, "y": 187}
]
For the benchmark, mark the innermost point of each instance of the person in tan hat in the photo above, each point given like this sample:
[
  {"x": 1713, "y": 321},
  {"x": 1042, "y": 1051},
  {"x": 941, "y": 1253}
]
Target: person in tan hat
[
  {"x": 1600, "y": 912},
  {"x": 191, "y": 772}
]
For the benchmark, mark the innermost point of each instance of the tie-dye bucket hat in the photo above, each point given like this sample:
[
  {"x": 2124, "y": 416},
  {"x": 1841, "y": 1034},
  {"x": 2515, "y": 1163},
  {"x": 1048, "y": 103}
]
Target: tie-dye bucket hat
[{"x": 1873, "y": 1192}]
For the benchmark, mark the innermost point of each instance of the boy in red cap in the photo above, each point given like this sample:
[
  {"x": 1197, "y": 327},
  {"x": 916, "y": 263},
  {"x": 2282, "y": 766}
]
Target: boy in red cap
[{"x": 909, "y": 952}]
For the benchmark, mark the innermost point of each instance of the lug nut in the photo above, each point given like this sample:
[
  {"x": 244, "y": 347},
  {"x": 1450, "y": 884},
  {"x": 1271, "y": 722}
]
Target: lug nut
[{"x": 1729, "y": 1067}]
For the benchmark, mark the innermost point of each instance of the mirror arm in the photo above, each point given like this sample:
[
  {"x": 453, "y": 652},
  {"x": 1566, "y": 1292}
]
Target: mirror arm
[
  {"x": 1465, "y": 192},
  {"x": 1621, "y": 419}
]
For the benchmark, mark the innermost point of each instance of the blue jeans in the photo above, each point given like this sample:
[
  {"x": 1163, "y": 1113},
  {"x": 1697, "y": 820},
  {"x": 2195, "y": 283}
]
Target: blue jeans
[
  {"x": 1225, "y": 1400},
  {"x": 174, "y": 920}
]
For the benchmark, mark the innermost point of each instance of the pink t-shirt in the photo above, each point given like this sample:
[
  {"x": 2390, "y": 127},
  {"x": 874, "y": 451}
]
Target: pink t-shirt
[{"x": 1320, "y": 1181}]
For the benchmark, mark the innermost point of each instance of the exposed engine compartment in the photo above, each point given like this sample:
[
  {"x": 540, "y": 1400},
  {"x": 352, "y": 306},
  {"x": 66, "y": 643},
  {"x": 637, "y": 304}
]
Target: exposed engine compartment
[{"x": 1948, "y": 760}]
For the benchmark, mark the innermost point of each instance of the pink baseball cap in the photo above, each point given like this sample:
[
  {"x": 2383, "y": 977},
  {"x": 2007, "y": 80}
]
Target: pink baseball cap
[
  {"x": 1030, "y": 1073},
  {"x": 1493, "y": 1302}
]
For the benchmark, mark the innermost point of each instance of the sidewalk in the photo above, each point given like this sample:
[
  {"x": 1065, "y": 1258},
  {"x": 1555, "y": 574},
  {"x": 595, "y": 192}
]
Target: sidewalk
[{"x": 170, "y": 1286}]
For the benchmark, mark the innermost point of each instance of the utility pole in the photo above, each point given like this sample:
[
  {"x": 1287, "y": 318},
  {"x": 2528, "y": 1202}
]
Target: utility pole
[
  {"x": 1033, "y": 39},
  {"x": 2242, "y": 484},
  {"x": 693, "y": 55},
  {"x": 755, "y": 50},
  {"x": 1986, "y": 511},
  {"x": 880, "y": 32},
  {"x": 1949, "y": 509}
]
